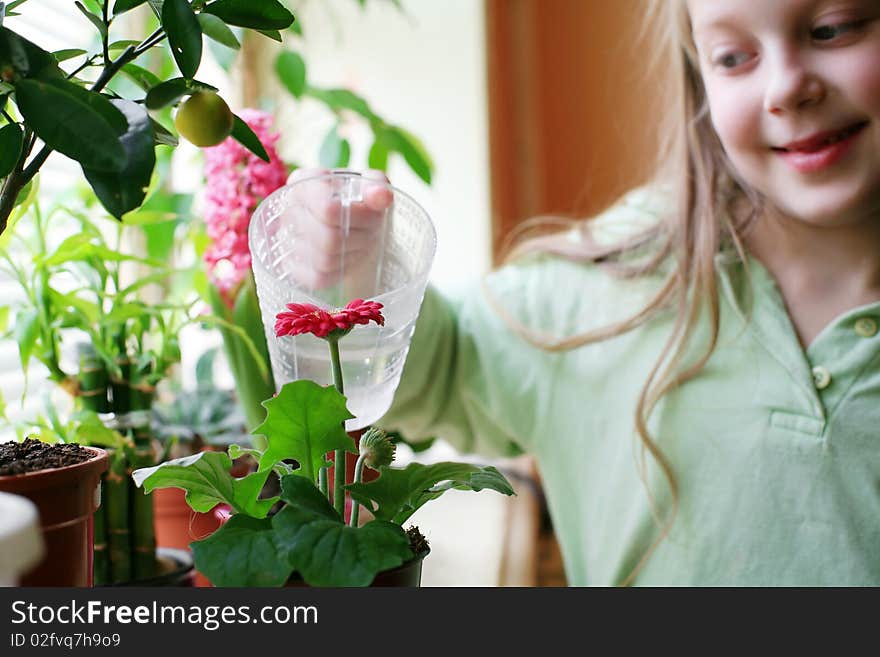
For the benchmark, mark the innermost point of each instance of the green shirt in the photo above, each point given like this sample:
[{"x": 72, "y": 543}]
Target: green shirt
[{"x": 776, "y": 451}]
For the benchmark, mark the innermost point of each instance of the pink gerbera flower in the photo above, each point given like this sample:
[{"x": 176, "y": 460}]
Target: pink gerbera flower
[{"x": 307, "y": 318}]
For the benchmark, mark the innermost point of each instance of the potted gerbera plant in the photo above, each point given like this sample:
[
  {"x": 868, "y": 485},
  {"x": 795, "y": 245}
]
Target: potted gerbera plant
[{"x": 304, "y": 535}]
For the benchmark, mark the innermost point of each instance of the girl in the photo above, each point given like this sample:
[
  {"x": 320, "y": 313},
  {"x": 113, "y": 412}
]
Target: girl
[{"x": 724, "y": 323}]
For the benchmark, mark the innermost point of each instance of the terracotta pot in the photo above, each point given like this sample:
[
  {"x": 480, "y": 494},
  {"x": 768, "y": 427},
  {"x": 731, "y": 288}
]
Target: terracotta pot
[
  {"x": 177, "y": 525},
  {"x": 66, "y": 499},
  {"x": 175, "y": 568}
]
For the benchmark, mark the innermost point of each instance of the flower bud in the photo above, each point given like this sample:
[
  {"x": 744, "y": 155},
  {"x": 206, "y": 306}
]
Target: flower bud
[{"x": 376, "y": 448}]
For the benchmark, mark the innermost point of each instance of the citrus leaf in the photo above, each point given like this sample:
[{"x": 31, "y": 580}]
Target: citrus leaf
[
  {"x": 26, "y": 59},
  {"x": 242, "y": 553},
  {"x": 304, "y": 422},
  {"x": 398, "y": 493},
  {"x": 11, "y": 140},
  {"x": 67, "y": 53},
  {"x": 93, "y": 19},
  {"x": 124, "y": 5},
  {"x": 291, "y": 70},
  {"x": 323, "y": 549},
  {"x": 125, "y": 190},
  {"x": 335, "y": 152},
  {"x": 143, "y": 78},
  {"x": 81, "y": 124},
  {"x": 242, "y": 133},
  {"x": 162, "y": 135},
  {"x": 216, "y": 29},
  {"x": 265, "y": 15},
  {"x": 275, "y": 35},
  {"x": 184, "y": 35},
  {"x": 172, "y": 90}
]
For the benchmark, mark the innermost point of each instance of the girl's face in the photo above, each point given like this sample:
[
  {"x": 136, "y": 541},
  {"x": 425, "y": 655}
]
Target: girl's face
[{"x": 794, "y": 95}]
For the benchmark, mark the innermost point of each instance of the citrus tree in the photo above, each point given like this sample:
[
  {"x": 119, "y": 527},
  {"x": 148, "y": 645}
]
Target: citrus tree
[{"x": 48, "y": 108}]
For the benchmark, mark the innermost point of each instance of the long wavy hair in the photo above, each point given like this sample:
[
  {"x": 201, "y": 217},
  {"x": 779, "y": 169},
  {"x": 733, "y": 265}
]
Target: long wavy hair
[{"x": 710, "y": 209}]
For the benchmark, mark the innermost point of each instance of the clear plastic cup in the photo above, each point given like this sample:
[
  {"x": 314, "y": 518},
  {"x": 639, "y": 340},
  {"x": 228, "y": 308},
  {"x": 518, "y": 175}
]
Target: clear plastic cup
[{"x": 391, "y": 266}]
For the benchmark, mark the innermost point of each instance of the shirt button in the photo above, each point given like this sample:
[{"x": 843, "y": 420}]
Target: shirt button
[
  {"x": 866, "y": 327},
  {"x": 821, "y": 377}
]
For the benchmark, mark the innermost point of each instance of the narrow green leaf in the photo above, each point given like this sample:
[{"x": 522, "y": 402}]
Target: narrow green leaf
[
  {"x": 27, "y": 328},
  {"x": 243, "y": 134},
  {"x": 125, "y": 190},
  {"x": 143, "y": 78},
  {"x": 95, "y": 20},
  {"x": 4, "y": 318},
  {"x": 378, "y": 156},
  {"x": 184, "y": 35},
  {"x": 67, "y": 53},
  {"x": 242, "y": 553},
  {"x": 265, "y": 15},
  {"x": 291, "y": 70},
  {"x": 413, "y": 151},
  {"x": 122, "y": 44},
  {"x": 398, "y": 493},
  {"x": 335, "y": 151},
  {"x": 297, "y": 28},
  {"x": 342, "y": 99},
  {"x": 51, "y": 107},
  {"x": 170, "y": 91},
  {"x": 14, "y": 4},
  {"x": 324, "y": 550},
  {"x": 11, "y": 140},
  {"x": 156, "y": 6},
  {"x": 162, "y": 135},
  {"x": 275, "y": 35},
  {"x": 124, "y": 5},
  {"x": 216, "y": 29},
  {"x": 304, "y": 422}
]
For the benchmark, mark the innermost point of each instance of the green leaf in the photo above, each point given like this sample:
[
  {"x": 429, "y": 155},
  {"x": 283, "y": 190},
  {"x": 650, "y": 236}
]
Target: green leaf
[
  {"x": 81, "y": 124},
  {"x": 291, "y": 70},
  {"x": 67, "y": 53},
  {"x": 398, "y": 493},
  {"x": 122, "y": 44},
  {"x": 323, "y": 549},
  {"x": 143, "y": 78},
  {"x": 4, "y": 318},
  {"x": 92, "y": 431},
  {"x": 26, "y": 59},
  {"x": 11, "y": 140},
  {"x": 216, "y": 29},
  {"x": 95, "y": 20},
  {"x": 242, "y": 553},
  {"x": 171, "y": 91},
  {"x": 275, "y": 35},
  {"x": 205, "y": 478},
  {"x": 413, "y": 151},
  {"x": 27, "y": 328},
  {"x": 304, "y": 422},
  {"x": 243, "y": 134},
  {"x": 125, "y": 190},
  {"x": 378, "y": 156},
  {"x": 162, "y": 135},
  {"x": 124, "y": 5},
  {"x": 335, "y": 152},
  {"x": 184, "y": 35},
  {"x": 342, "y": 99},
  {"x": 264, "y": 15}
]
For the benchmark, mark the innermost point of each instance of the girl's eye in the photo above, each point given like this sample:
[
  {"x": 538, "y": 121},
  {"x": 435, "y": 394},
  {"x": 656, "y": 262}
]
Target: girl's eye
[
  {"x": 829, "y": 32},
  {"x": 731, "y": 59}
]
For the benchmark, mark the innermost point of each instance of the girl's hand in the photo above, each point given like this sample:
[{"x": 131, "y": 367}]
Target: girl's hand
[{"x": 322, "y": 254}]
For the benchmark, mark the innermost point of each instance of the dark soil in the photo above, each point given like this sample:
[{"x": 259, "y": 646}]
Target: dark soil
[
  {"x": 417, "y": 542},
  {"x": 32, "y": 455}
]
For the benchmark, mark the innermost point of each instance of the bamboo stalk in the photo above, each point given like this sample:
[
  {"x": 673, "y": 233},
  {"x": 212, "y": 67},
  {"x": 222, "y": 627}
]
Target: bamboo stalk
[
  {"x": 117, "y": 521},
  {"x": 142, "y": 520},
  {"x": 101, "y": 558},
  {"x": 93, "y": 380}
]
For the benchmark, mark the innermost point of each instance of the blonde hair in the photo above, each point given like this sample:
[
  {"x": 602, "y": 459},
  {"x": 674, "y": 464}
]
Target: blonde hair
[{"x": 711, "y": 208}]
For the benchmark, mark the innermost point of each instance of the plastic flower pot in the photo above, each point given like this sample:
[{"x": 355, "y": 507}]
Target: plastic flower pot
[
  {"x": 21, "y": 542},
  {"x": 66, "y": 498}
]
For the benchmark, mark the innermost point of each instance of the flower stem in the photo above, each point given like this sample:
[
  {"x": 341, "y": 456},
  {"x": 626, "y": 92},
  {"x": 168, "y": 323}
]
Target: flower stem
[
  {"x": 322, "y": 482},
  {"x": 339, "y": 455},
  {"x": 355, "y": 507}
]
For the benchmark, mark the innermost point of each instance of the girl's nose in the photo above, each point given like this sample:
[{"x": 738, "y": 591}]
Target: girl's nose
[{"x": 792, "y": 87}]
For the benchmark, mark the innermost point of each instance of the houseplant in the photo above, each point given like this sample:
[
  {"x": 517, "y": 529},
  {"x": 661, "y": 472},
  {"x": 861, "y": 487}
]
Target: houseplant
[
  {"x": 62, "y": 481},
  {"x": 300, "y": 533},
  {"x": 112, "y": 137}
]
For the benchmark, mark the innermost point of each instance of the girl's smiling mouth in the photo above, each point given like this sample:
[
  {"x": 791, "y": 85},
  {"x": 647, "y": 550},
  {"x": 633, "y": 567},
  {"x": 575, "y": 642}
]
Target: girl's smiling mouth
[{"x": 821, "y": 150}]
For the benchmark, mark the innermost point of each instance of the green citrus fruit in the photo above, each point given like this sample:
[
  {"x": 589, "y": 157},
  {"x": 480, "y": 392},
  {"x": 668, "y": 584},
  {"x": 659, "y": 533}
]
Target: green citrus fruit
[{"x": 204, "y": 119}]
